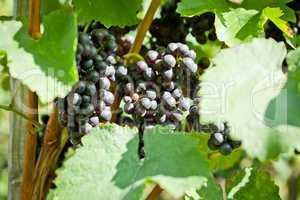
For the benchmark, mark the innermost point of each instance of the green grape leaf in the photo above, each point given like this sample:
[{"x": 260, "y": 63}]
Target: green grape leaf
[
  {"x": 288, "y": 13},
  {"x": 212, "y": 191},
  {"x": 238, "y": 88},
  {"x": 230, "y": 23},
  {"x": 50, "y": 5},
  {"x": 196, "y": 7},
  {"x": 221, "y": 162},
  {"x": 47, "y": 66},
  {"x": 253, "y": 184},
  {"x": 251, "y": 29},
  {"x": 282, "y": 114},
  {"x": 293, "y": 61},
  {"x": 108, "y": 167},
  {"x": 110, "y": 13},
  {"x": 274, "y": 14}
]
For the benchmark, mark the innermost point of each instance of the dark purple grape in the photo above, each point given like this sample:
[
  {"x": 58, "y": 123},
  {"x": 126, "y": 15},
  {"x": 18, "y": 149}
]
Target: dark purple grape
[
  {"x": 212, "y": 36},
  {"x": 77, "y": 99},
  {"x": 211, "y": 144},
  {"x": 168, "y": 74},
  {"x": 81, "y": 87},
  {"x": 151, "y": 94},
  {"x": 91, "y": 89},
  {"x": 235, "y": 143},
  {"x": 94, "y": 76},
  {"x": 142, "y": 66},
  {"x": 84, "y": 38},
  {"x": 154, "y": 105},
  {"x": 218, "y": 138},
  {"x": 225, "y": 149},
  {"x": 127, "y": 99},
  {"x": 170, "y": 102},
  {"x": 121, "y": 71},
  {"x": 95, "y": 121},
  {"x": 190, "y": 64},
  {"x": 169, "y": 86},
  {"x": 129, "y": 107},
  {"x": 100, "y": 65},
  {"x": 108, "y": 97},
  {"x": 185, "y": 104},
  {"x": 177, "y": 93},
  {"x": 104, "y": 83},
  {"x": 146, "y": 103},
  {"x": 152, "y": 56},
  {"x": 129, "y": 89},
  {"x": 169, "y": 60},
  {"x": 106, "y": 114}
]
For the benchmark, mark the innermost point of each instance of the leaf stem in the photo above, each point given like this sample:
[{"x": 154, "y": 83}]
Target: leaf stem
[
  {"x": 155, "y": 193},
  {"x": 11, "y": 108}
]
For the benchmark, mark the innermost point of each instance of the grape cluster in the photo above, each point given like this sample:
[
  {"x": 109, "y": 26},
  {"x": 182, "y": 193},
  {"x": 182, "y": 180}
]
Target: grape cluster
[
  {"x": 155, "y": 94},
  {"x": 203, "y": 27},
  {"x": 220, "y": 139},
  {"x": 89, "y": 103},
  {"x": 170, "y": 27}
]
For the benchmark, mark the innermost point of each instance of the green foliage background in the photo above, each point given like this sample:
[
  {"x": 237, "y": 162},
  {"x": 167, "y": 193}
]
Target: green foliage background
[{"x": 5, "y": 9}]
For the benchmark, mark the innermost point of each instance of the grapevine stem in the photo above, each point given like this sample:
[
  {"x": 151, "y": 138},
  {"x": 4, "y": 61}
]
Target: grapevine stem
[
  {"x": 53, "y": 143},
  {"x": 30, "y": 144},
  {"x": 144, "y": 26},
  {"x": 11, "y": 108}
]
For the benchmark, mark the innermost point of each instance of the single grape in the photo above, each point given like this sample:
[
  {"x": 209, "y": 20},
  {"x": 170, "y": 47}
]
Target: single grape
[
  {"x": 104, "y": 83},
  {"x": 211, "y": 144},
  {"x": 146, "y": 103},
  {"x": 127, "y": 99},
  {"x": 142, "y": 66},
  {"x": 169, "y": 60},
  {"x": 185, "y": 103},
  {"x": 151, "y": 94},
  {"x": 152, "y": 56},
  {"x": 94, "y": 76},
  {"x": 121, "y": 71},
  {"x": 76, "y": 99},
  {"x": 168, "y": 74},
  {"x": 154, "y": 105},
  {"x": 100, "y": 65},
  {"x": 129, "y": 89},
  {"x": 91, "y": 89},
  {"x": 169, "y": 86},
  {"x": 177, "y": 93},
  {"x": 95, "y": 121},
  {"x": 108, "y": 97},
  {"x": 170, "y": 101},
  {"x": 190, "y": 64},
  {"x": 106, "y": 114},
  {"x": 225, "y": 149},
  {"x": 129, "y": 107},
  {"x": 218, "y": 138}
]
